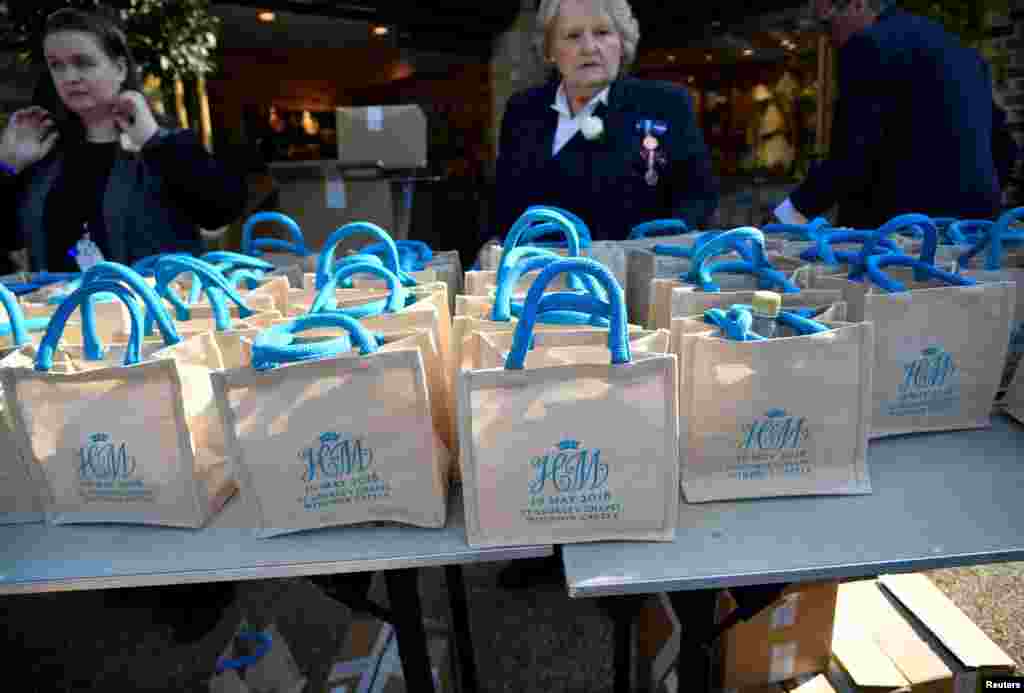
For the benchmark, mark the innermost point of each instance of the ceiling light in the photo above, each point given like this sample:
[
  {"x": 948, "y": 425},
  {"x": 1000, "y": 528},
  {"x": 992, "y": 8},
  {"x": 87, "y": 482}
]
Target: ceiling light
[
  {"x": 748, "y": 51},
  {"x": 380, "y": 31},
  {"x": 707, "y": 57},
  {"x": 690, "y": 79},
  {"x": 265, "y": 16},
  {"x": 671, "y": 58}
]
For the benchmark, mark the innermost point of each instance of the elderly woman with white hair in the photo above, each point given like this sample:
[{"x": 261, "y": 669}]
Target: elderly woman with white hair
[{"x": 614, "y": 150}]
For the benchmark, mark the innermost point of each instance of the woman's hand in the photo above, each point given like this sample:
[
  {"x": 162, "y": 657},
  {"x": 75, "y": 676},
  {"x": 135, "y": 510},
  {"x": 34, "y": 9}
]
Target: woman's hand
[
  {"x": 29, "y": 136},
  {"x": 134, "y": 118}
]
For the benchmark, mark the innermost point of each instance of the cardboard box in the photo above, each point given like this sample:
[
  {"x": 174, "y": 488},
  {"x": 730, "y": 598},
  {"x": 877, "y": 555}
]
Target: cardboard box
[
  {"x": 815, "y": 684},
  {"x": 321, "y": 199},
  {"x": 790, "y": 638},
  {"x": 932, "y": 643},
  {"x": 858, "y": 663},
  {"x": 369, "y": 661},
  {"x": 656, "y": 645},
  {"x": 964, "y": 647},
  {"x": 391, "y": 136}
]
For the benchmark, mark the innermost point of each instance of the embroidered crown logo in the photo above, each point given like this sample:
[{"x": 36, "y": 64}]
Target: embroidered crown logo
[
  {"x": 99, "y": 437},
  {"x": 569, "y": 445},
  {"x": 329, "y": 437}
]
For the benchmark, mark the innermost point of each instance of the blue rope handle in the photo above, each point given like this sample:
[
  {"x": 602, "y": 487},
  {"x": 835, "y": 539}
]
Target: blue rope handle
[
  {"x": 894, "y": 225},
  {"x": 921, "y": 269},
  {"x": 618, "y": 342},
  {"x": 297, "y": 246},
  {"x": 823, "y": 250},
  {"x": 768, "y": 277},
  {"x": 700, "y": 272},
  {"x": 687, "y": 251},
  {"x": 411, "y": 258},
  {"x": 993, "y": 240},
  {"x": 723, "y": 243},
  {"x": 214, "y": 284},
  {"x": 566, "y": 308},
  {"x": 147, "y": 268},
  {"x": 155, "y": 311},
  {"x": 397, "y": 299},
  {"x": 580, "y": 226},
  {"x": 227, "y": 261},
  {"x": 422, "y": 251},
  {"x": 503, "y": 310},
  {"x": 736, "y": 324},
  {"x": 276, "y": 345},
  {"x": 967, "y": 231},
  {"x": 535, "y": 215},
  {"x": 15, "y": 316},
  {"x": 658, "y": 227},
  {"x": 520, "y": 253},
  {"x": 351, "y": 260},
  {"x": 250, "y": 276},
  {"x": 391, "y": 260},
  {"x": 263, "y": 644},
  {"x": 798, "y": 232},
  {"x": 147, "y": 265},
  {"x": 81, "y": 297}
]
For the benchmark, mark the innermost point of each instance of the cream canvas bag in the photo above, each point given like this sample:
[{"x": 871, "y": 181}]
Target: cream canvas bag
[
  {"x": 20, "y": 491},
  {"x": 779, "y": 417},
  {"x": 940, "y": 339},
  {"x": 560, "y": 445},
  {"x": 325, "y": 437},
  {"x": 111, "y": 441}
]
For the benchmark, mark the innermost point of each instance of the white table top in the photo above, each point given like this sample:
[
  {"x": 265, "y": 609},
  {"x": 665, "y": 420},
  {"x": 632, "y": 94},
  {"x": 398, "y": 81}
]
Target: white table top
[
  {"x": 940, "y": 500},
  {"x": 41, "y": 558}
]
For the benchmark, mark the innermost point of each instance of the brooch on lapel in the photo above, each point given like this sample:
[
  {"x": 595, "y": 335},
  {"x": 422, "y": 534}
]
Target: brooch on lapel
[{"x": 652, "y": 130}]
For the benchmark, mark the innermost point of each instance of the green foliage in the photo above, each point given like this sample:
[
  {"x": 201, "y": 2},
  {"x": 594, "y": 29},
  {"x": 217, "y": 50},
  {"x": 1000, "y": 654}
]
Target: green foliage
[
  {"x": 169, "y": 38},
  {"x": 968, "y": 19}
]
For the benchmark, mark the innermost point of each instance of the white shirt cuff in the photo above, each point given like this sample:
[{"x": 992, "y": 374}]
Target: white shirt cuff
[{"x": 788, "y": 214}]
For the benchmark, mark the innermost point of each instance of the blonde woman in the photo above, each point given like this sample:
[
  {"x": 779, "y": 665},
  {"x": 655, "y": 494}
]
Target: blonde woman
[{"x": 616, "y": 151}]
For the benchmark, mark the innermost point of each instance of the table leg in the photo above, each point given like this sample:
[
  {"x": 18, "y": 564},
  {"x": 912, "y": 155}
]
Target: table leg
[
  {"x": 695, "y": 666},
  {"x": 457, "y": 601},
  {"x": 623, "y": 611},
  {"x": 404, "y": 596}
]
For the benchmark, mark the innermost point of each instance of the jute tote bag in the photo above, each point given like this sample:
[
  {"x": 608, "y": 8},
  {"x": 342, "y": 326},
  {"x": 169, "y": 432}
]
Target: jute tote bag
[
  {"x": 500, "y": 311},
  {"x": 786, "y": 416},
  {"x": 1000, "y": 266},
  {"x": 20, "y": 491},
  {"x": 746, "y": 267},
  {"x": 111, "y": 440},
  {"x": 417, "y": 256},
  {"x": 560, "y": 448},
  {"x": 940, "y": 339},
  {"x": 1013, "y": 401},
  {"x": 389, "y": 255},
  {"x": 720, "y": 284},
  {"x": 284, "y": 255},
  {"x": 322, "y": 436}
]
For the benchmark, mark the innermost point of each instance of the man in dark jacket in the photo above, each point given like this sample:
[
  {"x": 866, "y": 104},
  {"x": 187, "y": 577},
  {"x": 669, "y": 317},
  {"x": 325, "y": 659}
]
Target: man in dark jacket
[{"x": 914, "y": 125}]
